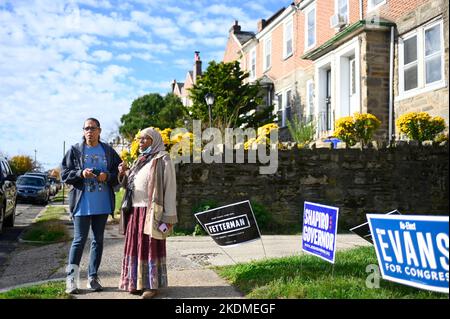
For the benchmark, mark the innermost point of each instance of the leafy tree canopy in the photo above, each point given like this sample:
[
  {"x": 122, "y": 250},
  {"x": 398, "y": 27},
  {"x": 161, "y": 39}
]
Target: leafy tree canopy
[
  {"x": 20, "y": 164},
  {"x": 151, "y": 110},
  {"x": 236, "y": 103}
]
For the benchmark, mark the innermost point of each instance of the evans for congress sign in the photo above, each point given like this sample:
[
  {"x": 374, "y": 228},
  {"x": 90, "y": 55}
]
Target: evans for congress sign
[
  {"x": 230, "y": 225},
  {"x": 319, "y": 230},
  {"x": 412, "y": 250}
]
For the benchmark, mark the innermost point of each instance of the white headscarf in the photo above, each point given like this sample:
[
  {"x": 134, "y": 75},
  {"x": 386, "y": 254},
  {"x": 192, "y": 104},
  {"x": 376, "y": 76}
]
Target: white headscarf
[{"x": 158, "y": 144}]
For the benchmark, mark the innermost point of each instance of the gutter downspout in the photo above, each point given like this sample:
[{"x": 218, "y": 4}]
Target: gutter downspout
[{"x": 391, "y": 80}]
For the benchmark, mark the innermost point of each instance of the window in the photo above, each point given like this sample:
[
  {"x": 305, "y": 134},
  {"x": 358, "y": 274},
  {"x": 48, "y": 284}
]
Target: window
[
  {"x": 421, "y": 55},
  {"x": 288, "y": 43},
  {"x": 410, "y": 63},
  {"x": 433, "y": 54},
  {"x": 267, "y": 53},
  {"x": 374, "y": 4},
  {"x": 342, "y": 9},
  {"x": 252, "y": 64},
  {"x": 310, "y": 27}
]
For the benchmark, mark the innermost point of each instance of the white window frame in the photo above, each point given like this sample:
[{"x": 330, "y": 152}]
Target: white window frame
[
  {"x": 310, "y": 107},
  {"x": 371, "y": 6},
  {"x": 310, "y": 8},
  {"x": 252, "y": 64},
  {"x": 336, "y": 10},
  {"x": 267, "y": 52},
  {"x": 288, "y": 25},
  {"x": 422, "y": 86}
]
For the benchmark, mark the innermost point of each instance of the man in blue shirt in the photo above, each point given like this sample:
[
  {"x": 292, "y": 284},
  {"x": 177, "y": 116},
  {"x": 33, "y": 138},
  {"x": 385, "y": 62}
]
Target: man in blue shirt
[{"x": 91, "y": 168}]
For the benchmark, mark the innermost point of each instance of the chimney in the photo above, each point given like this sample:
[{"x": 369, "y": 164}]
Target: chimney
[
  {"x": 174, "y": 82},
  {"x": 197, "y": 66},
  {"x": 261, "y": 25},
  {"x": 236, "y": 27}
]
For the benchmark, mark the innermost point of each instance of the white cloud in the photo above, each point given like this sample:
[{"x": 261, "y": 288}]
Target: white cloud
[
  {"x": 102, "y": 55},
  {"x": 124, "y": 57}
]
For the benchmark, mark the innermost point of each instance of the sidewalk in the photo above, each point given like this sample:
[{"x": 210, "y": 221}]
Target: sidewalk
[{"x": 188, "y": 259}]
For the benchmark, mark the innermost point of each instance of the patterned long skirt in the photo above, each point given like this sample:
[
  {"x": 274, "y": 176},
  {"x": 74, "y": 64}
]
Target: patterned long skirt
[{"x": 144, "y": 258}]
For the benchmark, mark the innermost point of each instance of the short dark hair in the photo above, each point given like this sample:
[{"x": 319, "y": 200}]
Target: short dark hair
[{"x": 94, "y": 120}]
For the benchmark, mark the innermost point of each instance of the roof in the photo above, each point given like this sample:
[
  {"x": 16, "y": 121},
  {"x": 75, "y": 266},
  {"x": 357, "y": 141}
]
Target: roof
[{"x": 244, "y": 36}]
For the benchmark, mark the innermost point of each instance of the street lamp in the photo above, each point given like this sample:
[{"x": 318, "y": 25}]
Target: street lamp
[{"x": 209, "y": 98}]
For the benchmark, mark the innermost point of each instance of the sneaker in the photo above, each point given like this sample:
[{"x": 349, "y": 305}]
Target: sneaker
[
  {"x": 93, "y": 284},
  {"x": 71, "y": 287},
  {"x": 72, "y": 279}
]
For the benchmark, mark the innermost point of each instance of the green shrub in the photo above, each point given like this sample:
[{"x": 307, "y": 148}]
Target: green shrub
[
  {"x": 302, "y": 132},
  {"x": 201, "y": 207},
  {"x": 420, "y": 126},
  {"x": 262, "y": 215}
]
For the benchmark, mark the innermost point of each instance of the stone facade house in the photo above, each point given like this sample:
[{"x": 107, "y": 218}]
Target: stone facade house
[{"x": 325, "y": 59}]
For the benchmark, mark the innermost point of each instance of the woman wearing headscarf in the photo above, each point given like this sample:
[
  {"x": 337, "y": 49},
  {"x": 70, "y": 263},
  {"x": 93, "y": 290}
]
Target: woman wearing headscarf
[{"x": 152, "y": 181}]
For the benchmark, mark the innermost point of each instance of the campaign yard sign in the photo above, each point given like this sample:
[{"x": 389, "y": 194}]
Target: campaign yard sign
[
  {"x": 363, "y": 230},
  {"x": 412, "y": 250},
  {"x": 231, "y": 224},
  {"x": 319, "y": 230}
]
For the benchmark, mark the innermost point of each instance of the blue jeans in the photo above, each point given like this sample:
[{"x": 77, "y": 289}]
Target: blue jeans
[{"x": 81, "y": 232}]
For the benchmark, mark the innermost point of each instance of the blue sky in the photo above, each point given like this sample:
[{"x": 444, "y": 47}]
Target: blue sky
[{"x": 62, "y": 61}]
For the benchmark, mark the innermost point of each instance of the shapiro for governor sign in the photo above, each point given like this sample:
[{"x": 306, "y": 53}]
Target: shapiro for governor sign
[
  {"x": 230, "y": 225},
  {"x": 319, "y": 230},
  {"x": 412, "y": 250}
]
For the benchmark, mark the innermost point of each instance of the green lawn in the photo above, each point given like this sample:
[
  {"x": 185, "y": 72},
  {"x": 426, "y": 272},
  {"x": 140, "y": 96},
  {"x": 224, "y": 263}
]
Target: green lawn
[
  {"x": 50, "y": 290},
  {"x": 309, "y": 277},
  {"x": 48, "y": 228}
]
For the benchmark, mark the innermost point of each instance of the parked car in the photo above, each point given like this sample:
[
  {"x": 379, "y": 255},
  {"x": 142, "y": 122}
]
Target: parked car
[
  {"x": 55, "y": 184},
  {"x": 32, "y": 188},
  {"x": 8, "y": 195},
  {"x": 46, "y": 178}
]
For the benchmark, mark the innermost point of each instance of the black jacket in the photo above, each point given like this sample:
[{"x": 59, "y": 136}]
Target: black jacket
[{"x": 72, "y": 169}]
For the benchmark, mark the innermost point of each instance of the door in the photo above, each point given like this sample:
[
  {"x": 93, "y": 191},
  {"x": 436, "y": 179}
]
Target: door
[{"x": 328, "y": 117}]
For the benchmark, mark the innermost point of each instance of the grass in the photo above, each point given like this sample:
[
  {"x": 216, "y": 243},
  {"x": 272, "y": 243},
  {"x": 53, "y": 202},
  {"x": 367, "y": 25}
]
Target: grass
[
  {"x": 309, "y": 277},
  {"x": 48, "y": 227},
  {"x": 50, "y": 290}
]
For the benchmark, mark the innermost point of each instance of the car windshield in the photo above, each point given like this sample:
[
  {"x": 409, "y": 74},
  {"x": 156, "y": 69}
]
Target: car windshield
[{"x": 31, "y": 181}]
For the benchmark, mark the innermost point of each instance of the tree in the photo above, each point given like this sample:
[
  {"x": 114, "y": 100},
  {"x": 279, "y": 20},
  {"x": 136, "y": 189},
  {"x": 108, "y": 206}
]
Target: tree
[
  {"x": 20, "y": 164},
  {"x": 233, "y": 101},
  {"x": 143, "y": 113},
  {"x": 152, "y": 110},
  {"x": 173, "y": 112}
]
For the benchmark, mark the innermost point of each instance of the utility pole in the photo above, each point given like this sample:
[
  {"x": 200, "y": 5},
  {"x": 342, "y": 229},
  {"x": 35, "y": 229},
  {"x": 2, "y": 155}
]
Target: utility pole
[{"x": 35, "y": 163}]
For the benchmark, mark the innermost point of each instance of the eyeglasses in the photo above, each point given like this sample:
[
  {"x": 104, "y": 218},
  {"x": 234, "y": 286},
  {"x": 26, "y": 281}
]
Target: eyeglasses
[{"x": 90, "y": 128}]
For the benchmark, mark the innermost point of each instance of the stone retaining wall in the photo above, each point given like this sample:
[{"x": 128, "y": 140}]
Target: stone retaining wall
[{"x": 412, "y": 179}]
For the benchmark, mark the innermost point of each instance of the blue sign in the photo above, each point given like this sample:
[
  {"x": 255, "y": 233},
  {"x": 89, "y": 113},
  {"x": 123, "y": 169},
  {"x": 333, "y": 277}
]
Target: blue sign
[
  {"x": 412, "y": 250},
  {"x": 319, "y": 230}
]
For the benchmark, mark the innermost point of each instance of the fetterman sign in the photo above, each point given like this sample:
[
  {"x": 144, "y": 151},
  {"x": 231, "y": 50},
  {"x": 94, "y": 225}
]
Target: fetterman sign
[{"x": 230, "y": 225}]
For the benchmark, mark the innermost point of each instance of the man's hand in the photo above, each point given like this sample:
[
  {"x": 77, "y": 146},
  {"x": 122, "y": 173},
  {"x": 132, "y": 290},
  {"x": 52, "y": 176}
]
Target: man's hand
[{"x": 122, "y": 168}]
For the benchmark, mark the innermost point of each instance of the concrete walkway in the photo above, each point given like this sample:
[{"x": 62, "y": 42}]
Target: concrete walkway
[{"x": 188, "y": 261}]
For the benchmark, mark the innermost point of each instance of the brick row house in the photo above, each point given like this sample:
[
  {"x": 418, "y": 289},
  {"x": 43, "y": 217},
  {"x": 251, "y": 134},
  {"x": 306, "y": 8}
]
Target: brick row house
[
  {"x": 324, "y": 59},
  {"x": 181, "y": 89}
]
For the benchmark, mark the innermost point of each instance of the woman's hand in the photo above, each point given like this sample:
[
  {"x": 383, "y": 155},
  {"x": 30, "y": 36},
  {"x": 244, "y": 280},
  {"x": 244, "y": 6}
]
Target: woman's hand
[
  {"x": 122, "y": 168},
  {"x": 102, "y": 177}
]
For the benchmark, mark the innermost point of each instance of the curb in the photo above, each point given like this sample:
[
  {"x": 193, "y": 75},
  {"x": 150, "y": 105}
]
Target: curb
[{"x": 35, "y": 283}]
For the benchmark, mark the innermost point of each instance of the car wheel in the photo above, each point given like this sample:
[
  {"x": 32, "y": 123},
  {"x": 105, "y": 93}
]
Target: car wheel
[{"x": 9, "y": 221}]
